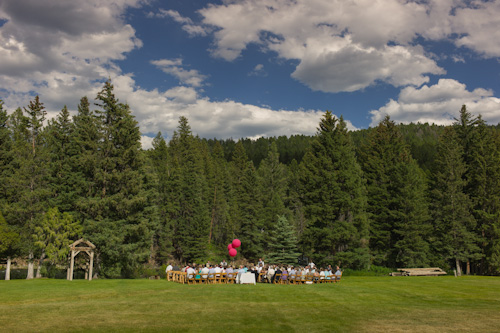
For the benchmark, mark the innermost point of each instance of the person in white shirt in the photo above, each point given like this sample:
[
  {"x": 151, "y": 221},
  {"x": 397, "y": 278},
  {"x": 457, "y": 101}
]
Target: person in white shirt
[
  {"x": 204, "y": 272},
  {"x": 217, "y": 269},
  {"x": 169, "y": 268},
  {"x": 270, "y": 274},
  {"x": 190, "y": 272},
  {"x": 261, "y": 262}
]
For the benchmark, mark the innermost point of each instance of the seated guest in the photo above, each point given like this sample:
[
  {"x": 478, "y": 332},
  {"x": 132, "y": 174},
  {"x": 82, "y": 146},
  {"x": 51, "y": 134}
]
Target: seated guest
[
  {"x": 270, "y": 274},
  {"x": 338, "y": 273},
  {"x": 284, "y": 275},
  {"x": 211, "y": 272},
  {"x": 292, "y": 273},
  {"x": 204, "y": 272},
  {"x": 190, "y": 272},
  {"x": 229, "y": 271},
  {"x": 276, "y": 272}
]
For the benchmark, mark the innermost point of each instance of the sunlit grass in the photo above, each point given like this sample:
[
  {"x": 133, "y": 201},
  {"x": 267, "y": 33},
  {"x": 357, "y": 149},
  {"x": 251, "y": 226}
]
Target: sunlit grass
[{"x": 375, "y": 304}]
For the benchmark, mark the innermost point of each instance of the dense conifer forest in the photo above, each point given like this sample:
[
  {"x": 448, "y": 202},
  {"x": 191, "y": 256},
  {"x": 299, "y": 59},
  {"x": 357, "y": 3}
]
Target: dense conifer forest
[{"x": 393, "y": 195}]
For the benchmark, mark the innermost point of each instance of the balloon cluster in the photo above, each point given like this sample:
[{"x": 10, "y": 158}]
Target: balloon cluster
[{"x": 232, "y": 247}]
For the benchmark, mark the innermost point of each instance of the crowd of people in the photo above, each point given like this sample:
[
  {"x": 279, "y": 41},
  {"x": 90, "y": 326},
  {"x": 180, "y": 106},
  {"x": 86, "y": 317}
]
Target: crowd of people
[{"x": 263, "y": 273}]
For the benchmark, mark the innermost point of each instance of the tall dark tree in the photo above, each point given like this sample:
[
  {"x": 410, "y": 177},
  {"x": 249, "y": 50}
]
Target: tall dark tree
[
  {"x": 454, "y": 224},
  {"x": 481, "y": 153},
  {"x": 187, "y": 182},
  {"x": 28, "y": 190},
  {"x": 246, "y": 204},
  {"x": 273, "y": 182},
  {"x": 5, "y": 153},
  {"x": 61, "y": 153},
  {"x": 162, "y": 241},
  {"x": 117, "y": 223},
  {"x": 334, "y": 197},
  {"x": 396, "y": 199},
  {"x": 219, "y": 183}
]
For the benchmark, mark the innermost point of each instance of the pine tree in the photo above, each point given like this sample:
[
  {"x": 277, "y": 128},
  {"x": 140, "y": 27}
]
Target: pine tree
[
  {"x": 116, "y": 221},
  {"x": 396, "y": 199},
  {"x": 61, "y": 153},
  {"x": 481, "y": 153},
  {"x": 27, "y": 185},
  {"x": 5, "y": 154},
  {"x": 245, "y": 204},
  {"x": 454, "y": 223},
  {"x": 220, "y": 213},
  {"x": 283, "y": 243},
  {"x": 250, "y": 230},
  {"x": 53, "y": 235},
  {"x": 187, "y": 182},
  {"x": 334, "y": 197},
  {"x": 164, "y": 230},
  {"x": 273, "y": 182}
]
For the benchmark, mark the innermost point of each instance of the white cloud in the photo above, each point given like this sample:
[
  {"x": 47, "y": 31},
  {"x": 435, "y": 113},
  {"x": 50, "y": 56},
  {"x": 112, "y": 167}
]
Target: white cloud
[
  {"x": 349, "y": 45},
  {"x": 160, "y": 111},
  {"x": 439, "y": 104},
  {"x": 174, "y": 67},
  {"x": 258, "y": 70},
  {"x": 72, "y": 51},
  {"x": 187, "y": 24}
]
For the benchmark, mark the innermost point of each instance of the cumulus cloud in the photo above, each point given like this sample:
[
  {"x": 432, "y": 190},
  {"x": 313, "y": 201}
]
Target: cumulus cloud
[
  {"x": 439, "y": 104},
  {"x": 187, "y": 24},
  {"x": 350, "y": 45},
  {"x": 77, "y": 53},
  {"x": 160, "y": 111},
  {"x": 174, "y": 67},
  {"x": 258, "y": 70}
]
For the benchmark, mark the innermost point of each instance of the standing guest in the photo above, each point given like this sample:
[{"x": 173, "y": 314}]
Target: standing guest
[
  {"x": 208, "y": 264},
  {"x": 261, "y": 262},
  {"x": 223, "y": 263}
]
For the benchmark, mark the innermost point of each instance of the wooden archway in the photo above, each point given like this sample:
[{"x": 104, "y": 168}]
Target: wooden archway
[{"x": 77, "y": 247}]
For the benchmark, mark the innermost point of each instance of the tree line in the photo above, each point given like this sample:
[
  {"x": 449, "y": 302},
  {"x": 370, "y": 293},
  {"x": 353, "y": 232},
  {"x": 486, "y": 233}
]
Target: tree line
[{"x": 393, "y": 195}]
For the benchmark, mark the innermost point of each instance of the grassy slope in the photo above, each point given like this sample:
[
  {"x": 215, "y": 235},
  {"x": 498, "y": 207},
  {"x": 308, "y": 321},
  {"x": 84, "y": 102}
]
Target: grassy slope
[{"x": 375, "y": 304}]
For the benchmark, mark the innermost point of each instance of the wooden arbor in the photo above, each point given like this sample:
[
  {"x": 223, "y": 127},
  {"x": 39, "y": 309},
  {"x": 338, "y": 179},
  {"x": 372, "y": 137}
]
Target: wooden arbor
[{"x": 77, "y": 247}]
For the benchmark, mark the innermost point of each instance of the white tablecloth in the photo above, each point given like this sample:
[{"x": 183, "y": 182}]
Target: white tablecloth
[{"x": 245, "y": 278}]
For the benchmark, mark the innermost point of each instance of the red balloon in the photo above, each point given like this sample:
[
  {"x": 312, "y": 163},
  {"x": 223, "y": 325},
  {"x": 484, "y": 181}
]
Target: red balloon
[
  {"x": 236, "y": 243},
  {"x": 233, "y": 252},
  {"x": 229, "y": 247}
]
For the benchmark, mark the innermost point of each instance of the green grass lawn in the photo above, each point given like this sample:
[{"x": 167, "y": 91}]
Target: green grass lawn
[{"x": 356, "y": 304}]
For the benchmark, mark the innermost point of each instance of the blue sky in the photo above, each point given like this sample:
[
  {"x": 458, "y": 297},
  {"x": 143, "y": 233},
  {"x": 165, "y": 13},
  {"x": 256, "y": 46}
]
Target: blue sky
[{"x": 251, "y": 68}]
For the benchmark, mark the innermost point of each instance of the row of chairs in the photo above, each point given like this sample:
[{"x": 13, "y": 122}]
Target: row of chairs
[
  {"x": 227, "y": 278},
  {"x": 217, "y": 278},
  {"x": 299, "y": 279}
]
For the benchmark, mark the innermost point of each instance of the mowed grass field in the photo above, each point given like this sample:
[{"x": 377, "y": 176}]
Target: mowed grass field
[{"x": 356, "y": 304}]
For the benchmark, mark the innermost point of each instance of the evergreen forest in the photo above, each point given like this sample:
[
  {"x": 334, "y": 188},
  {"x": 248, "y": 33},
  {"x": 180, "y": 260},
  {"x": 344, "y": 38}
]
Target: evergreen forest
[{"x": 416, "y": 195}]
